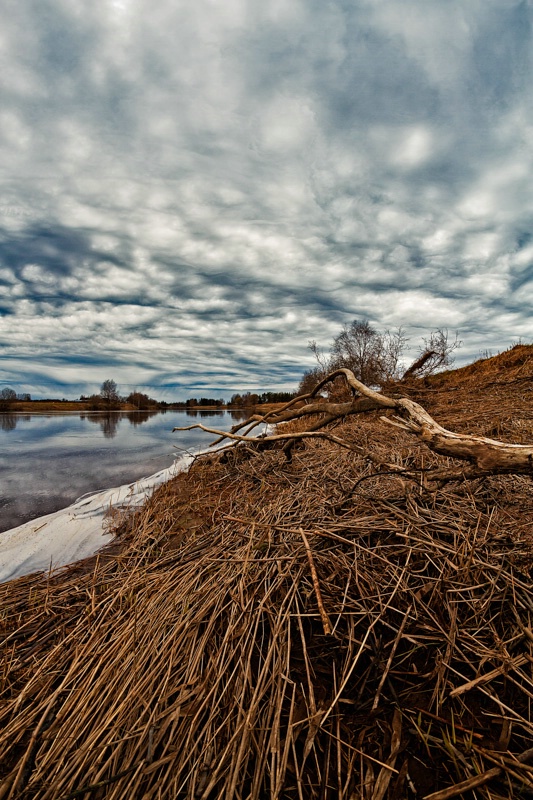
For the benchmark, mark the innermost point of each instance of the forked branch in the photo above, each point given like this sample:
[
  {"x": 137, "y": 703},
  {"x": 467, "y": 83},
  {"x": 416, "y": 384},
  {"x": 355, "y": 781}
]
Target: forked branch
[{"x": 484, "y": 456}]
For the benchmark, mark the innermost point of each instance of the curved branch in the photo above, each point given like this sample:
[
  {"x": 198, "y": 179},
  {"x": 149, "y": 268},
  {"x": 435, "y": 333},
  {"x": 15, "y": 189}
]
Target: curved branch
[
  {"x": 380, "y": 399},
  {"x": 486, "y": 456},
  {"x": 278, "y": 437},
  {"x": 489, "y": 455}
]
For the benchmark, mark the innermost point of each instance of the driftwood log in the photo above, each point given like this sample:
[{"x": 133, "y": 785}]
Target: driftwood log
[{"x": 483, "y": 456}]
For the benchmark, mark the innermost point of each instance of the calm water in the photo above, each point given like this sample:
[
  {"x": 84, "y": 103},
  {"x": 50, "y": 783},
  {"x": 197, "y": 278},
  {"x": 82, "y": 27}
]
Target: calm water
[{"x": 47, "y": 461}]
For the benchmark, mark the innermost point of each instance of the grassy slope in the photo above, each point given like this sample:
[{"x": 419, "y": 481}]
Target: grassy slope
[{"x": 192, "y": 660}]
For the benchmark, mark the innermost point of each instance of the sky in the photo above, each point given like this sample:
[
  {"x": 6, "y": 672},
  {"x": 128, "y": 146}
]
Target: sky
[{"x": 191, "y": 190}]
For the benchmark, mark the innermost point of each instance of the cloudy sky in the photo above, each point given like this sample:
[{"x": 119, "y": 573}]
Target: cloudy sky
[{"x": 194, "y": 189}]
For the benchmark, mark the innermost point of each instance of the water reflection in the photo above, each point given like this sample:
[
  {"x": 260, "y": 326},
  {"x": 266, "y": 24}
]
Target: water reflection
[
  {"x": 204, "y": 412},
  {"x": 53, "y": 459},
  {"x": 139, "y": 417},
  {"x": 239, "y": 414},
  {"x": 108, "y": 423},
  {"x": 236, "y": 414},
  {"x": 9, "y": 422},
  {"x": 110, "y": 420}
]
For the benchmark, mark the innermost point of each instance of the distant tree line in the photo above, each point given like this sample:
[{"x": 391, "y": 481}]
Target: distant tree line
[
  {"x": 248, "y": 399},
  {"x": 141, "y": 401},
  {"x": 10, "y": 395},
  {"x": 374, "y": 357},
  {"x": 109, "y": 399},
  {"x": 193, "y": 402}
]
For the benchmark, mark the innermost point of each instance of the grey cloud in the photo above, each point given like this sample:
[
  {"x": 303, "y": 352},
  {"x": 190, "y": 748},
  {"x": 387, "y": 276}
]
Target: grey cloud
[
  {"x": 57, "y": 249},
  {"x": 501, "y": 54},
  {"x": 203, "y": 191}
]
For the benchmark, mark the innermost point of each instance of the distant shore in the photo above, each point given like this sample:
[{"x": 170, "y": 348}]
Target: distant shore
[
  {"x": 80, "y": 406},
  {"x": 25, "y": 406}
]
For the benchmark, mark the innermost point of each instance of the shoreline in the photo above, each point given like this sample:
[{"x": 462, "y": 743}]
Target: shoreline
[
  {"x": 270, "y": 627},
  {"x": 80, "y": 407},
  {"x": 77, "y": 531}
]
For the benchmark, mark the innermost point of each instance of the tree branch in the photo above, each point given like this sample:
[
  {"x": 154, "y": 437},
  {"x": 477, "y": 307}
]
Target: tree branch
[{"x": 484, "y": 456}]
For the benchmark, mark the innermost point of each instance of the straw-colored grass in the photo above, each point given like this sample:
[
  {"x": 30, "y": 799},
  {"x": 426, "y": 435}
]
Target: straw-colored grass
[{"x": 272, "y": 630}]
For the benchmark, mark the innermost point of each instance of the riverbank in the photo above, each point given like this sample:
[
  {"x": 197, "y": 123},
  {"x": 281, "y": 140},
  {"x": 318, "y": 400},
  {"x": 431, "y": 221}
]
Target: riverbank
[
  {"x": 80, "y": 406},
  {"x": 51, "y": 459},
  {"x": 68, "y": 406},
  {"x": 78, "y": 531},
  {"x": 313, "y": 628}
]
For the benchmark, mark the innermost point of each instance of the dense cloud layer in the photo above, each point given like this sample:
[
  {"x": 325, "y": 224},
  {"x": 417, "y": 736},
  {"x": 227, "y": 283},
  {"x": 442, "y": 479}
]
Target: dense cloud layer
[{"x": 192, "y": 191}]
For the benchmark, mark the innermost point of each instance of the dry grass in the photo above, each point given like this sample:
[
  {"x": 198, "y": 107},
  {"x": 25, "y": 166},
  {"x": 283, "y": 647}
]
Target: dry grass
[{"x": 273, "y": 630}]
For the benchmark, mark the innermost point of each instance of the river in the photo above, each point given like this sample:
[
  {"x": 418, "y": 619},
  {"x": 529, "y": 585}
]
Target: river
[{"x": 48, "y": 461}]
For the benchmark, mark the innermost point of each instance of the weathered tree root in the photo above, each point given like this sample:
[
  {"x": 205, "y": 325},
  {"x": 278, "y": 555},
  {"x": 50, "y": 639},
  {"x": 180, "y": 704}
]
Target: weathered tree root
[{"x": 484, "y": 456}]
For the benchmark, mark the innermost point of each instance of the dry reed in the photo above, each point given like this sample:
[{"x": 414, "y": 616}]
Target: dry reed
[{"x": 271, "y": 630}]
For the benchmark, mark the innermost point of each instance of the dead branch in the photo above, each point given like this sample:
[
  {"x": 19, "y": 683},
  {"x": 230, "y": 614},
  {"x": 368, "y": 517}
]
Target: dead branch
[
  {"x": 190, "y": 659},
  {"x": 417, "y": 365},
  {"x": 485, "y": 456},
  {"x": 477, "y": 780},
  {"x": 323, "y": 613}
]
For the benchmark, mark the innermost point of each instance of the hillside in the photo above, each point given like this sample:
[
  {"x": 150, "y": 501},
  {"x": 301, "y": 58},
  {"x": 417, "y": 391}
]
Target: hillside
[
  {"x": 324, "y": 627},
  {"x": 495, "y": 395},
  {"x": 513, "y": 366}
]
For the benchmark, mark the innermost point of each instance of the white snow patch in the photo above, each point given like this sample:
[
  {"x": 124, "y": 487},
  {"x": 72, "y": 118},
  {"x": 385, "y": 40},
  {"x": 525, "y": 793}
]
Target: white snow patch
[{"x": 74, "y": 532}]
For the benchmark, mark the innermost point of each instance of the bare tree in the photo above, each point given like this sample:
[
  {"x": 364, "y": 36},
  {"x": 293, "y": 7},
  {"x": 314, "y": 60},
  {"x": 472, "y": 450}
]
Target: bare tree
[
  {"x": 359, "y": 347},
  {"x": 394, "y": 343},
  {"x": 372, "y": 356},
  {"x": 375, "y": 358},
  {"x": 7, "y": 396},
  {"x": 310, "y": 379},
  {"x": 108, "y": 391},
  {"x": 434, "y": 355}
]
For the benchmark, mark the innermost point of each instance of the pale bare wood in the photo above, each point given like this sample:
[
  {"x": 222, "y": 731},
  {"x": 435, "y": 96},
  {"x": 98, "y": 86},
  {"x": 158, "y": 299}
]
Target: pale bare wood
[{"x": 485, "y": 456}]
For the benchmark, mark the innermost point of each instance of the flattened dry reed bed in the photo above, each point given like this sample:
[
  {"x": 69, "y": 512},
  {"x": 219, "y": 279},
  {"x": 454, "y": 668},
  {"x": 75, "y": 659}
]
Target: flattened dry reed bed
[{"x": 274, "y": 630}]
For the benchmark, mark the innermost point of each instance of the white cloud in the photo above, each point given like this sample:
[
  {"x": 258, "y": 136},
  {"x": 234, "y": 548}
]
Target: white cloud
[{"x": 199, "y": 189}]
